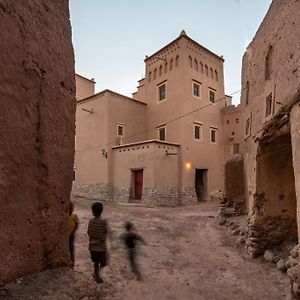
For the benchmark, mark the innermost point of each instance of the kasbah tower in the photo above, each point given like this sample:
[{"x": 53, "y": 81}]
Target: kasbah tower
[{"x": 167, "y": 145}]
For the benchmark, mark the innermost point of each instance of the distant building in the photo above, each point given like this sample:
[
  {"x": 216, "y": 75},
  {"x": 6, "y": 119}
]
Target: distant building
[{"x": 165, "y": 145}]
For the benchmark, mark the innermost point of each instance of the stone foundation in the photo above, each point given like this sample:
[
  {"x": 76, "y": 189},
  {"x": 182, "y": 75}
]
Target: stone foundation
[
  {"x": 122, "y": 194},
  {"x": 267, "y": 232},
  {"x": 160, "y": 196},
  {"x": 97, "y": 190},
  {"x": 188, "y": 195}
]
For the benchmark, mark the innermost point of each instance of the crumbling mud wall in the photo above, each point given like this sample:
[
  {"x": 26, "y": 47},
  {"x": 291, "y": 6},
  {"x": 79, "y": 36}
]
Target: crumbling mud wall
[
  {"x": 37, "y": 111},
  {"x": 235, "y": 183}
]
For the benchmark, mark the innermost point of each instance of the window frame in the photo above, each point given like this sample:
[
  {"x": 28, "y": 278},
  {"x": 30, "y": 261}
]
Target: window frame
[
  {"x": 165, "y": 132},
  {"x": 159, "y": 86},
  {"x": 213, "y": 129},
  {"x": 234, "y": 147},
  {"x": 200, "y": 126},
  {"x": 119, "y": 125},
  {"x": 195, "y": 82},
  {"x": 210, "y": 90},
  {"x": 268, "y": 105}
]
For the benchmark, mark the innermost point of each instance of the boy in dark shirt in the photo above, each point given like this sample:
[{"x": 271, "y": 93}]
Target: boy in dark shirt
[{"x": 131, "y": 238}]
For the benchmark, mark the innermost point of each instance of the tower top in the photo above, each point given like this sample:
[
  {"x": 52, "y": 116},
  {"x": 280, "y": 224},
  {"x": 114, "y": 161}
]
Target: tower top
[{"x": 182, "y": 33}]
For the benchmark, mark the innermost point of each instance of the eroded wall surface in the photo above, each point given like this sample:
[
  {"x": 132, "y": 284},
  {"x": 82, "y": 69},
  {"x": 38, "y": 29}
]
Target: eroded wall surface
[
  {"x": 270, "y": 81},
  {"x": 37, "y": 111}
]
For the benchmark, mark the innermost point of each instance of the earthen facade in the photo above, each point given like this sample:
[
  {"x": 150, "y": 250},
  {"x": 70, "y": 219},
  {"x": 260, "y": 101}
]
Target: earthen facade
[
  {"x": 37, "y": 117},
  {"x": 176, "y": 112},
  {"x": 270, "y": 110}
]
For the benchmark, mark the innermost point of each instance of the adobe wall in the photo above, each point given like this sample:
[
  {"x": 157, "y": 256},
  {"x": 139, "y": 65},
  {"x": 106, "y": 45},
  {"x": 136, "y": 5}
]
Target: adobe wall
[
  {"x": 37, "y": 119},
  {"x": 271, "y": 66},
  {"x": 159, "y": 188}
]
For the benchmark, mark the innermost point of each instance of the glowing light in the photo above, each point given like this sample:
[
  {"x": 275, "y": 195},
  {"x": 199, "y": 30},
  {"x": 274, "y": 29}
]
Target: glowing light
[{"x": 188, "y": 165}]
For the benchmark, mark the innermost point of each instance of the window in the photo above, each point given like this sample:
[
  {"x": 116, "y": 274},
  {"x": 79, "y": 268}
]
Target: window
[
  {"x": 206, "y": 70},
  {"x": 201, "y": 67},
  {"x": 236, "y": 148},
  {"x": 211, "y": 73},
  {"x": 247, "y": 93},
  {"x": 162, "y": 92},
  {"x": 247, "y": 128},
  {"x": 160, "y": 70},
  {"x": 196, "y": 64},
  {"x": 269, "y": 105},
  {"x": 212, "y": 96},
  {"x": 171, "y": 64},
  {"x": 166, "y": 67},
  {"x": 237, "y": 121},
  {"x": 268, "y": 63},
  {"x": 149, "y": 78},
  {"x": 120, "y": 130},
  {"x": 154, "y": 73},
  {"x": 177, "y": 61},
  {"x": 216, "y": 75},
  {"x": 196, "y": 89},
  {"x": 213, "y": 135},
  {"x": 162, "y": 133},
  {"x": 191, "y": 61},
  {"x": 197, "y": 131}
]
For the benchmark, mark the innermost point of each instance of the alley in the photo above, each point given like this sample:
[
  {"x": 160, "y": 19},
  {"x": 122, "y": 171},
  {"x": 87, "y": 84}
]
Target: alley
[{"x": 188, "y": 256}]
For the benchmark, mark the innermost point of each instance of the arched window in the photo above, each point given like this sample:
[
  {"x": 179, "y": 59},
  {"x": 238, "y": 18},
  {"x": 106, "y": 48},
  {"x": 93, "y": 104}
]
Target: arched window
[
  {"x": 196, "y": 64},
  {"x": 191, "y": 61},
  {"x": 171, "y": 64},
  {"x": 206, "y": 70},
  {"x": 201, "y": 67},
  {"x": 154, "y": 73},
  {"x": 177, "y": 61},
  {"x": 160, "y": 70},
  {"x": 166, "y": 67},
  {"x": 149, "y": 76},
  {"x": 216, "y": 75},
  {"x": 211, "y": 73}
]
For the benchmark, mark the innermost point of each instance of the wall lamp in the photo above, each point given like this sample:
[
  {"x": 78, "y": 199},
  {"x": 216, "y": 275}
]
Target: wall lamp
[{"x": 104, "y": 153}]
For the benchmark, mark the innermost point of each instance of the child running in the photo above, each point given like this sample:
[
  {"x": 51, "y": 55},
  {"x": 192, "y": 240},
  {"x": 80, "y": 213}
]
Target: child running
[{"x": 131, "y": 238}]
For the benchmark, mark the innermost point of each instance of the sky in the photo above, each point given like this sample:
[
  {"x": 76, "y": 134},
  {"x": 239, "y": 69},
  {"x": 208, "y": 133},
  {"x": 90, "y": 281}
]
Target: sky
[{"x": 112, "y": 37}]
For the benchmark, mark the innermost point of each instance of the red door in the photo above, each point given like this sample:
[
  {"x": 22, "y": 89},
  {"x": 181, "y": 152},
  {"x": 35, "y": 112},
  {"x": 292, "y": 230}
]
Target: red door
[{"x": 138, "y": 184}]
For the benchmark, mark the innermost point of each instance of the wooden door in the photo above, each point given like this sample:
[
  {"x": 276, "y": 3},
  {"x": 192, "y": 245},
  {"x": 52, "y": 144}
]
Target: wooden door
[{"x": 138, "y": 184}]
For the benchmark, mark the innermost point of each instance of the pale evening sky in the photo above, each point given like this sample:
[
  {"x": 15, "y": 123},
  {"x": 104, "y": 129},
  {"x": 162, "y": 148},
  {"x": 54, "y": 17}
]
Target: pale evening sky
[{"x": 112, "y": 37}]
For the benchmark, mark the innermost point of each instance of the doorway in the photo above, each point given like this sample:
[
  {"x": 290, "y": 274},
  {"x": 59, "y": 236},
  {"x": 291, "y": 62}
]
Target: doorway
[
  {"x": 138, "y": 184},
  {"x": 201, "y": 184}
]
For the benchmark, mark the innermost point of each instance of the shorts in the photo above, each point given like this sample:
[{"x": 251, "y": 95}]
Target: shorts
[{"x": 99, "y": 257}]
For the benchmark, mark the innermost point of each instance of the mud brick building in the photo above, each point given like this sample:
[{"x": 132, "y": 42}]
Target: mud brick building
[
  {"x": 165, "y": 145},
  {"x": 271, "y": 128}
]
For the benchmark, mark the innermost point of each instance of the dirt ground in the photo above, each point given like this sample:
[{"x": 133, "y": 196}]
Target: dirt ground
[{"x": 188, "y": 256}]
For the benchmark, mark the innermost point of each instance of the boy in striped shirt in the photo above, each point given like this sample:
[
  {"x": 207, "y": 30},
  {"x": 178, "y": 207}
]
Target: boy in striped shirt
[{"x": 97, "y": 232}]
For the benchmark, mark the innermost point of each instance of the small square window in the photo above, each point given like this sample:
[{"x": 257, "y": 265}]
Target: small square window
[
  {"x": 120, "y": 130},
  {"x": 213, "y": 135},
  {"x": 162, "y": 92},
  {"x": 162, "y": 133},
  {"x": 212, "y": 96},
  {"x": 228, "y": 122},
  {"x": 196, "y": 89},
  {"x": 197, "y": 132},
  {"x": 237, "y": 121}
]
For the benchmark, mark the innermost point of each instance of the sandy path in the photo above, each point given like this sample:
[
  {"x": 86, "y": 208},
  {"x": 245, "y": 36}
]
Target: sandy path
[{"x": 188, "y": 257}]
